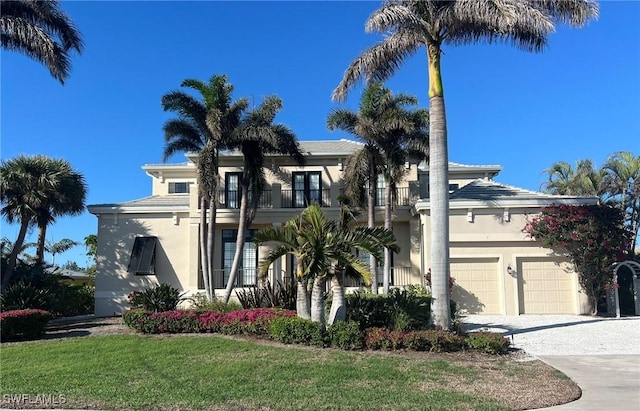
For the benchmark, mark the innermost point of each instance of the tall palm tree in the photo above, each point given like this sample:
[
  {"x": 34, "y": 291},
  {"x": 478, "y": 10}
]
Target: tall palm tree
[
  {"x": 584, "y": 180},
  {"x": 40, "y": 30},
  {"x": 34, "y": 191},
  {"x": 256, "y": 137},
  {"x": 322, "y": 248},
  {"x": 410, "y": 25},
  {"x": 203, "y": 127},
  {"x": 622, "y": 183},
  {"x": 391, "y": 133}
]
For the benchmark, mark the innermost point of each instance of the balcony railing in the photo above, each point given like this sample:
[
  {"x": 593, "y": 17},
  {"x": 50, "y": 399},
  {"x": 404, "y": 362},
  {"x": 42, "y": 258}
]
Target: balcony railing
[
  {"x": 302, "y": 199},
  {"x": 400, "y": 276},
  {"x": 231, "y": 199},
  {"x": 246, "y": 277}
]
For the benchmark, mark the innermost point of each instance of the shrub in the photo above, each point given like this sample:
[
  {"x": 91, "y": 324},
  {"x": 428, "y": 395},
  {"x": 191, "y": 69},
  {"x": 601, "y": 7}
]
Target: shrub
[
  {"x": 16, "y": 324},
  {"x": 490, "y": 343},
  {"x": 74, "y": 300},
  {"x": 200, "y": 302},
  {"x": 400, "y": 310},
  {"x": 21, "y": 296},
  {"x": 296, "y": 330},
  {"x": 253, "y": 321},
  {"x": 162, "y": 297},
  {"x": 276, "y": 296},
  {"x": 346, "y": 335},
  {"x": 423, "y": 340}
]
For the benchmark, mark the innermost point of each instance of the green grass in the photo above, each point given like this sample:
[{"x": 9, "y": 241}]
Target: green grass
[{"x": 209, "y": 372}]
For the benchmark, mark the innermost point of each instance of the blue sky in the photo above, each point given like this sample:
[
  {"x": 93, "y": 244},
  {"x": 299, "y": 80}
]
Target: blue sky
[{"x": 579, "y": 99}]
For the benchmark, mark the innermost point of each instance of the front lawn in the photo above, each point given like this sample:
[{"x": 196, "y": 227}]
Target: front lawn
[{"x": 219, "y": 373}]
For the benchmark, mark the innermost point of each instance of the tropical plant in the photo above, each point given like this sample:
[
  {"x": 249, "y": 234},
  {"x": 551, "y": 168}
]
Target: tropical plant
[
  {"x": 410, "y": 25},
  {"x": 323, "y": 249},
  {"x": 622, "y": 185},
  {"x": 35, "y": 191},
  {"x": 41, "y": 31},
  {"x": 584, "y": 180},
  {"x": 391, "y": 134},
  {"x": 203, "y": 127},
  {"x": 59, "y": 247},
  {"x": 256, "y": 137}
]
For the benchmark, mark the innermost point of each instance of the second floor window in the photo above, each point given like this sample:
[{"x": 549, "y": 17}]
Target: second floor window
[
  {"x": 307, "y": 188},
  {"x": 232, "y": 190},
  {"x": 179, "y": 188}
]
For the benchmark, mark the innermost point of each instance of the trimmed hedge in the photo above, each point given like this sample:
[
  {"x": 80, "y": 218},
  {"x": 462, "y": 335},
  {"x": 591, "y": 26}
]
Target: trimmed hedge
[
  {"x": 284, "y": 326},
  {"x": 250, "y": 322},
  {"x": 23, "y": 324}
]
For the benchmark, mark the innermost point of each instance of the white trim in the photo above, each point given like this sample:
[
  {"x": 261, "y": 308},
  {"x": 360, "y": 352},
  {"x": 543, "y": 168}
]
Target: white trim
[
  {"x": 425, "y": 204},
  {"x": 137, "y": 209}
]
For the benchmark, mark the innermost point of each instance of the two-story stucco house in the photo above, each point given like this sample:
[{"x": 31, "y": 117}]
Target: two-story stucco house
[{"x": 498, "y": 270}]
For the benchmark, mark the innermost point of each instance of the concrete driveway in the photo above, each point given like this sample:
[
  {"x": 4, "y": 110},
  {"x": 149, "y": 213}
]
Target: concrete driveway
[{"x": 602, "y": 355}]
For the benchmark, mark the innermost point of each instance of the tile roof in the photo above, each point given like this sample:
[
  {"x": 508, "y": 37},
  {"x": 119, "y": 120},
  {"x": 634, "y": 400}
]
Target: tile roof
[
  {"x": 151, "y": 201},
  {"x": 492, "y": 190}
]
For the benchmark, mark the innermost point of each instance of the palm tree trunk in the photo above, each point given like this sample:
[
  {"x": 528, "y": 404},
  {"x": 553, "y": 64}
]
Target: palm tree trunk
[
  {"x": 13, "y": 257},
  {"x": 302, "y": 302},
  {"x": 211, "y": 240},
  {"x": 338, "y": 306},
  {"x": 387, "y": 224},
  {"x": 317, "y": 300},
  {"x": 204, "y": 257},
  {"x": 242, "y": 227},
  {"x": 371, "y": 219},
  {"x": 438, "y": 194},
  {"x": 42, "y": 236}
]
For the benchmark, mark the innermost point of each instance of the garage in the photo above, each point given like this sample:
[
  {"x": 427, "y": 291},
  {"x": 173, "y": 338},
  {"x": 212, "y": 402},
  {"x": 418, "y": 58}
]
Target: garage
[
  {"x": 546, "y": 286},
  {"x": 477, "y": 289}
]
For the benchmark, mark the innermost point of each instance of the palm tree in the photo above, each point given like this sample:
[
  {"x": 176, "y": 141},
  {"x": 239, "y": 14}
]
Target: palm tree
[
  {"x": 584, "y": 180},
  {"x": 370, "y": 240},
  {"x": 391, "y": 133},
  {"x": 622, "y": 183},
  {"x": 256, "y": 137},
  {"x": 203, "y": 127},
  {"x": 41, "y": 31},
  {"x": 34, "y": 192},
  {"x": 59, "y": 247},
  {"x": 65, "y": 194},
  {"x": 322, "y": 248},
  {"x": 409, "y": 25}
]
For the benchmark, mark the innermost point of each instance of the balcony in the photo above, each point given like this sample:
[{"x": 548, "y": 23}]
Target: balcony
[{"x": 400, "y": 276}]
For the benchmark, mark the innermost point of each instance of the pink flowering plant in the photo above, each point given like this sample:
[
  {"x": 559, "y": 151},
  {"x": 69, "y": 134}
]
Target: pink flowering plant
[
  {"x": 18, "y": 324},
  {"x": 592, "y": 237}
]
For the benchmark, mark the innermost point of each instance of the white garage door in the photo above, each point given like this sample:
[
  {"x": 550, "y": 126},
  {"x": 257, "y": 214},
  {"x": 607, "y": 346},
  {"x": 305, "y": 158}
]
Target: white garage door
[
  {"x": 546, "y": 288},
  {"x": 477, "y": 289}
]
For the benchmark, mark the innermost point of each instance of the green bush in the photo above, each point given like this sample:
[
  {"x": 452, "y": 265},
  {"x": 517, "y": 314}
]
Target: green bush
[
  {"x": 19, "y": 324},
  {"x": 22, "y": 296},
  {"x": 296, "y": 330},
  {"x": 422, "y": 340},
  {"x": 74, "y": 300},
  {"x": 346, "y": 335},
  {"x": 400, "y": 310},
  {"x": 268, "y": 296},
  {"x": 490, "y": 343},
  {"x": 160, "y": 298},
  {"x": 200, "y": 302}
]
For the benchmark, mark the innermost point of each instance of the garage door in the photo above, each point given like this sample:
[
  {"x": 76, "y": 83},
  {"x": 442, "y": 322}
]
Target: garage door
[
  {"x": 477, "y": 289},
  {"x": 546, "y": 288}
]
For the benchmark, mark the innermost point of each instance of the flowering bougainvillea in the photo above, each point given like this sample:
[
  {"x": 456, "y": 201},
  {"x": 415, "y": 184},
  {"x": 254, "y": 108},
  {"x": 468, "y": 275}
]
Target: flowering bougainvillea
[{"x": 593, "y": 237}]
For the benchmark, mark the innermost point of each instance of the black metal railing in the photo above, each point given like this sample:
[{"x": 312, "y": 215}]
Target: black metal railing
[
  {"x": 302, "y": 199},
  {"x": 400, "y": 276},
  {"x": 231, "y": 199}
]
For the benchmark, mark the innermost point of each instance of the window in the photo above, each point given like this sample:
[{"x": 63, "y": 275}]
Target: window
[
  {"x": 179, "y": 188},
  {"x": 306, "y": 188},
  {"x": 453, "y": 187},
  {"x": 381, "y": 193},
  {"x": 247, "y": 273},
  {"x": 143, "y": 256},
  {"x": 232, "y": 190}
]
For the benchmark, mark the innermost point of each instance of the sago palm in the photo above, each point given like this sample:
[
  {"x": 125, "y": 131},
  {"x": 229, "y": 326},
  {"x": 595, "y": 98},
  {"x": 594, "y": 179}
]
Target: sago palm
[
  {"x": 41, "y": 31},
  {"x": 203, "y": 127},
  {"x": 256, "y": 137},
  {"x": 411, "y": 25}
]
